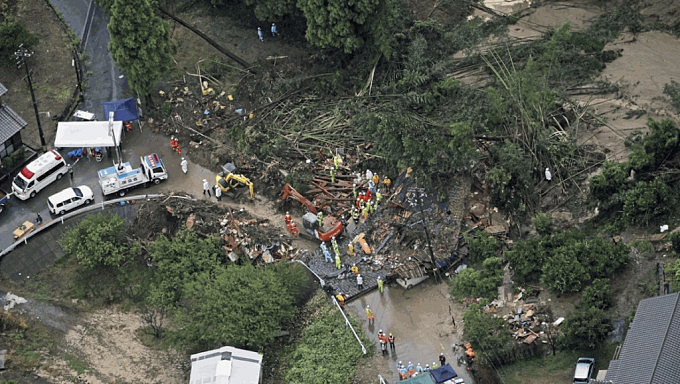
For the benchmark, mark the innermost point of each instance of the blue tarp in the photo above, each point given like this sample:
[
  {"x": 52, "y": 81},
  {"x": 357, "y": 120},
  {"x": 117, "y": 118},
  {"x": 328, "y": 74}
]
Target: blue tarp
[
  {"x": 443, "y": 373},
  {"x": 124, "y": 110}
]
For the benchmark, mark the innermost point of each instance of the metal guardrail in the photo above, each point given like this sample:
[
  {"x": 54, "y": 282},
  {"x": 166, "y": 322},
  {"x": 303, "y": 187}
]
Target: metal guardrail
[
  {"x": 60, "y": 220},
  {"x": 322, "y": 282}
]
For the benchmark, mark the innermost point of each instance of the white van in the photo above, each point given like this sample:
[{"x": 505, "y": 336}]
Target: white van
[
  {"x": 38, "y": 174},
  {"x": 69, "y": 198}
]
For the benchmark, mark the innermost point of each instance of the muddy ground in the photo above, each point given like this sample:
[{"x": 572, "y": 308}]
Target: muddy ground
[{"x": 648, "y": 61}]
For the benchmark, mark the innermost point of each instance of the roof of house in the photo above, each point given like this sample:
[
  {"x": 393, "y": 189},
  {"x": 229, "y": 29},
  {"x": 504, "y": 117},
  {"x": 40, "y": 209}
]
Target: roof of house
[
  {"x": 226, "y": 365},
  {"x": 3, "y": 89},
  {"x": 651, "y": 351},
  {"x": 10, "y": 123}
]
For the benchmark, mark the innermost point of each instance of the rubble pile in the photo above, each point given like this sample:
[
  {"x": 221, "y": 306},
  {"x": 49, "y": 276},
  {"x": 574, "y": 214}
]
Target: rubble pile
[{"x": 243, "y": 235}]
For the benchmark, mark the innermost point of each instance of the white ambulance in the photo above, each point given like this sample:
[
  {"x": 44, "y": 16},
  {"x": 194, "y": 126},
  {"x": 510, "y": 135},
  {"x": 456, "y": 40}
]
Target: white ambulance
[{"x": 38, "y": 174}]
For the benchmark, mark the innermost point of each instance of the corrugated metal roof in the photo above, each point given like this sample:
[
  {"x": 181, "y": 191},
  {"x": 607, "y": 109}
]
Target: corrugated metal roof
[
  {"x": 3, "y": 89},
  {"x": 226, "y": 365},
  {"x": 651, "y": 351},
  {"x": 10, "y": 123}
]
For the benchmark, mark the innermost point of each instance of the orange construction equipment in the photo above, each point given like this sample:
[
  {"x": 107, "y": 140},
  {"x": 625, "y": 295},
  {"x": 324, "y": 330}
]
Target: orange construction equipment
[
  {"x": 364, "y": 245},
  {"x": 289, "y": 191}
]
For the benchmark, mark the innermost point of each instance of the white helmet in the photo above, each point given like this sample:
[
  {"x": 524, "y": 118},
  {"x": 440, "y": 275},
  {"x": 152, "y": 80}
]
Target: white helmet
[
  {"x": 380, "y": 331},
  {"x": 368, "y": 306}
]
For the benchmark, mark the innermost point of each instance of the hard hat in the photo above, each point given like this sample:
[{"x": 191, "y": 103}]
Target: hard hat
[
  {"x": 380, "y": 331},
  {"x": 418, "y": 364},
  {"x": 182, "y": 158},
  {"x": 427, "y": 365},
  {"x": 410, "y": 362},
  {"x": 368, "y": 306},
  {"x": 390, "y": 333},
  {"x": 400, "y": 362},
  {"x": 286, "y": 212},
  {"x": 441, "y": 354}
]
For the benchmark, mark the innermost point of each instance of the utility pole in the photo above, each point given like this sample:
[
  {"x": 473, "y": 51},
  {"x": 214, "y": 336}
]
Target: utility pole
[{"x": 21, "y": 54}]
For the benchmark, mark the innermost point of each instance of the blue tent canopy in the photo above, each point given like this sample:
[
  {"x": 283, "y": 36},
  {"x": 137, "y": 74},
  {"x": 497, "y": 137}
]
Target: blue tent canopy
[
  {"x": 443, "y": 373},
  {"x": 123, "y": 110}
]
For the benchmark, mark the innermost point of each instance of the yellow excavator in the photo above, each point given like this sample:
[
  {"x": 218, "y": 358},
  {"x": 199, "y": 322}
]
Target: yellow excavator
[{"x": 228, "y": 180}]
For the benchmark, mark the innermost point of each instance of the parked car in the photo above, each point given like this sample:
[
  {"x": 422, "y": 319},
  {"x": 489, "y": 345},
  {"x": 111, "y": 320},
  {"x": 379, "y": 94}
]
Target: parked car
[
  {"x": 584, "y": 370},
  {"x": 69, "y": 198},
  {"x": 23, "y": 229}
]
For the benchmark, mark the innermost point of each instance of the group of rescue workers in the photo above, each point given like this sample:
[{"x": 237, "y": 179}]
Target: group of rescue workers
[{"x": 367, "y": 202}]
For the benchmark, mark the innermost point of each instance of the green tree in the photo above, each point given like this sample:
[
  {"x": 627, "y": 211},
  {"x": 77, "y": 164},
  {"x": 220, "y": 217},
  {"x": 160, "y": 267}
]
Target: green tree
[
  {"x": 598, "y": 295},
  {"x": 236, "y": 305},
  {"x": 348, "y": 26},
  {"x": 484, "y": 283},
  {"x": 139, "y": 43},
  {"x": 603, "y": 258},
  {"x": 486, "y": 333},
  {"x": 562, "y": 272},
  {"x": 526, "y": 259},
  {"x": 98, "y": 241},
  {"x": 512, "y": 186},
  {"x": 585, "y": 329},
  {"x": 326, "y": 353},
  {"x": 12, "y": 34},
  {"x": 611, "y": 182},
  {"x": 648, "y": 201},
  {"x": 178, "y": 261},
  {"x": 481, "y": 248},
  {"x": 672, "y": 270},
  {"x": 543, "y": 223}
]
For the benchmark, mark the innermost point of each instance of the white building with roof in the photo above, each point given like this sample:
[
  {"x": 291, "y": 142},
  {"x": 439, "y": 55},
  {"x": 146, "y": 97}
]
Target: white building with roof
[{"x": 226, "y": 365}]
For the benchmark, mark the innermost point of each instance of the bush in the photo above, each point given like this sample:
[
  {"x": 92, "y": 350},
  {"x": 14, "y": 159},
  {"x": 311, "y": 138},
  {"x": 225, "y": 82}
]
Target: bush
[
  {"x": 585, "y": 329},
  {"x": 12, "y": 34},
  {"x": 526, "y": 259},
  {"x": 481, "y": 248},
  {"x": 597, "y": 295},
  {"x": 327, "y": 352},
  {"x": 484, "y": 283},
  {"x": 562, "y": 272},
  {"x": 648, "y": 201},
  {"x": 543, "y": 223},
  {"x": 674, "y": 238},
  {"x": 486, "y": 333}
]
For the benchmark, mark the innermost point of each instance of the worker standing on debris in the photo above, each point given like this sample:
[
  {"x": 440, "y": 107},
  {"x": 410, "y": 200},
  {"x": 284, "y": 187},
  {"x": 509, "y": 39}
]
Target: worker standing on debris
[
  {"x": 360, "y": 282},
  {"x": 319, "y": 219},
  {"x": 259, "y": 34},
  {"x": 354, "y": 269},
  {"x": 338, "y": 262},
  {"x": 206, "y": 188},
  {"x": 369, "y": 174},
  {"x": 292, "y": 229},
  {"x": 341, "y": 297},
  {"x": 387, "y": 183},
  {"x": 185, "y": 165},
  {"x": 337, "y": 161},
  {"x": 376, "y": 179},
  {"x": 218, "y": 192},
  {"x": 355, "y": 215},
  {"x": 334, "y": 244},
  {"x": 364, "y": 212},
  {"x": 287, "y": 218},
  {"x": 378, "y": 197},
  {"x": 369, "y": 314},
  {"x": 350, "y": 249},
  {"x": 381, "y": 284},
  {"x": 548, "y": 175},
  {"x": 354, "y": 190},
  {"x": 369, "y": 205},
  {"x": 326, "y": 254},
  {"x": 332, "y": 172},
  {"x": 371, "y": 186}
]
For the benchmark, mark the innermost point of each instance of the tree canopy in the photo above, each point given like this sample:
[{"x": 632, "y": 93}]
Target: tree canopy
[
  {"x": 139, "y": 43},
  {"x": 13, "y": 34}
]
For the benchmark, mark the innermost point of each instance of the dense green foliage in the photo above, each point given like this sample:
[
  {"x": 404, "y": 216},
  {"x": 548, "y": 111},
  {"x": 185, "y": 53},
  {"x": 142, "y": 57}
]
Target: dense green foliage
[
  {"x": 139, "y": 43},
  {"x": 646, "y": 197},
  {"x": 566, "y": 261},
  {"x": 481, "y": 248},
  {"x": 216, "y": 302},
  {"x": 98, "y": 242},
  {"x": 326, "y": 353},
  {"x": 672, "y": 89},
  {"x": 543, "y": 223},
  {"x": 479, "y": 284},
  {"x": 242, "y": 306},
  {"x": 12, "y": 34},
  {"x": 486, "y": 333},
  {"x": 585, "y": 328},
  {"x": 598, "y": 295}
]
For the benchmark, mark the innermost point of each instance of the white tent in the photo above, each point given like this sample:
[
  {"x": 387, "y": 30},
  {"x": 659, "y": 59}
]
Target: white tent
[{"x": 87, "y": 134}]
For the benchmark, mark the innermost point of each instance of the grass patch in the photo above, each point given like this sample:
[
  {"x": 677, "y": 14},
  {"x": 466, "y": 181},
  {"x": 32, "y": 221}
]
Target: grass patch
[
  {"x": 75, "y": 364},
  {"x": 556, "y": 369}
]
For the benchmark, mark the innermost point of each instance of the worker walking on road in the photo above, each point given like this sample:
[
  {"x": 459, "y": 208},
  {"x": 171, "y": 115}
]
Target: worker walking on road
[
  {"x": 218, "y": 192},
  {"x": 38, "y": 218},
  {"x": 369, "y": 314},
  {"x": 338, "y": 262},
  {"x": 390, "y": 339},
  {"x": 185, "y": 165},
  {"x": 206, "y": 188},
  {"x": 381, "y": 283},
  {"x": 442, "y": 359}
]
